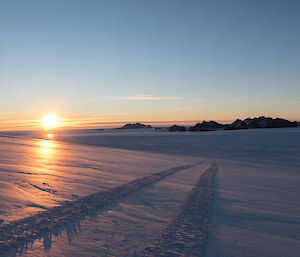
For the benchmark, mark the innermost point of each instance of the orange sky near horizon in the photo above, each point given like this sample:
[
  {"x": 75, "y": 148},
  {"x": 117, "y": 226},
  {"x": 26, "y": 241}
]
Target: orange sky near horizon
[{"x": 14, "y": 123}]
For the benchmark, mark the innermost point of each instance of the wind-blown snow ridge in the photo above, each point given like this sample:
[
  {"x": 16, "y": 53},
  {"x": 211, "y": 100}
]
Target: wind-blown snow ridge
[
  {"x": 187, "y": 234},
  {"x": 20, "y": 232}
]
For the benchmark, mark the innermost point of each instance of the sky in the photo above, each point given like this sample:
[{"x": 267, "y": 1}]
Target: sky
[{"x": 96, "y": 62}]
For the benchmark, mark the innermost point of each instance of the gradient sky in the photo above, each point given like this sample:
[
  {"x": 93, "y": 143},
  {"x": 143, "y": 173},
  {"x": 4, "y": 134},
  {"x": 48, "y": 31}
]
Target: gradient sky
[{"x": 99, "y": 61}]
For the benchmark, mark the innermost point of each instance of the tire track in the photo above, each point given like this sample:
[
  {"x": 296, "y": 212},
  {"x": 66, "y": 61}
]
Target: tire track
[
  {"x": 20, "y": 232},
  {"x": 187, "y": 234}
]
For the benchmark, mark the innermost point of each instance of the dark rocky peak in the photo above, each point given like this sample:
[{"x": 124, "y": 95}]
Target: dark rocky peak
[
  {"x": 206, "y": 126},
  {"x": 135, "y": 126},
  {"x": 176, "y": 128},
  {"x": 261, "y": 122}
]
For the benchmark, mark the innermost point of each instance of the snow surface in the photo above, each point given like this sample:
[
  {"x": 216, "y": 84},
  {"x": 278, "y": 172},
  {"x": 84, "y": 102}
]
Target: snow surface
[
  {"x": 38, "y": 174},
  {"x": 256, "y": 207},
  {"x": 126, "y": 227},
  {"x": 187, "y": 234},
  {"x": 257, "y": 211}
]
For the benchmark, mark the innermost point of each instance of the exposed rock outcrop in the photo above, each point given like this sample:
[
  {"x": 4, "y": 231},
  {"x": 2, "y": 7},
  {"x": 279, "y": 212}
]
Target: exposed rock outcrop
[
  {"x": 135, "y": 126},
  {"x": 261, "y": 122},
  {"x": 206, "y": 126},
  {"x": 175, "y": 128}
]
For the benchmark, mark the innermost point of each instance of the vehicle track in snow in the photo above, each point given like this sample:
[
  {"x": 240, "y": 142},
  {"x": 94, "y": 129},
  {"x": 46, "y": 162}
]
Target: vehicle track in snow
[
  {"x": 20, "y": 232},
  {"x": 187, "y": 233}
]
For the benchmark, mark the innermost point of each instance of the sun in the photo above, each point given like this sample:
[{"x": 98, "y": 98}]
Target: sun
[{"x": 50, "y": 121}]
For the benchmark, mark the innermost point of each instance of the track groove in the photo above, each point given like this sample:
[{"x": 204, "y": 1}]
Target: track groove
[
  {"x": 187, "y": 233},
  {"x": 20, "y": 232}
]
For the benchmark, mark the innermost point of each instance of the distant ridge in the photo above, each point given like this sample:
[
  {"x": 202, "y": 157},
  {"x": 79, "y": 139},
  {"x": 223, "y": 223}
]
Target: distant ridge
[
  {"x": 207, "y": 126},
  {"x": 260, "y": 122},
  {"x": 135, "y": 126},
  {"x": 175, "y": 128}
]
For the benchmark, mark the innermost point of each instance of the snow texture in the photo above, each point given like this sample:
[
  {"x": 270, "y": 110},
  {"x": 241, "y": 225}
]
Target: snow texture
[
  {"x": 124, "y": 228},
  {"x": 187, "y": 234},
  {"x": 28, "y": 229}
]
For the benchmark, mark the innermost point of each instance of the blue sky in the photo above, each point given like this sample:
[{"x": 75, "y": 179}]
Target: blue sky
[{"x": 102, "y": 61}]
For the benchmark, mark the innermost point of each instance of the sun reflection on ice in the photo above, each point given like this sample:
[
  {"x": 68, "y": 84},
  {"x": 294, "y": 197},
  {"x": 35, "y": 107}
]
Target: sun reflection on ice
[
  {"x": 46, "y": 154},
  {"x": 46, "y": 149},
  {"x": 49, "y": 136},
  {"x": 46, "y": 144}
]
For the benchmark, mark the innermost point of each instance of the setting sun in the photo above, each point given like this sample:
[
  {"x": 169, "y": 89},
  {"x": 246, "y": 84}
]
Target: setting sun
[{"x": 50, "y": 121}]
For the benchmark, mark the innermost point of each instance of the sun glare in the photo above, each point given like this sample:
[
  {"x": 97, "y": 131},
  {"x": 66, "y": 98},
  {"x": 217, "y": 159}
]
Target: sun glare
[{"x": 50, "y": 121}]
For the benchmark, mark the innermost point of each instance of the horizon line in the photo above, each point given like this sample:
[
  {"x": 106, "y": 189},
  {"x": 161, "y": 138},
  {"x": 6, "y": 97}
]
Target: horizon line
[{"x": 114, "y": 124}]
